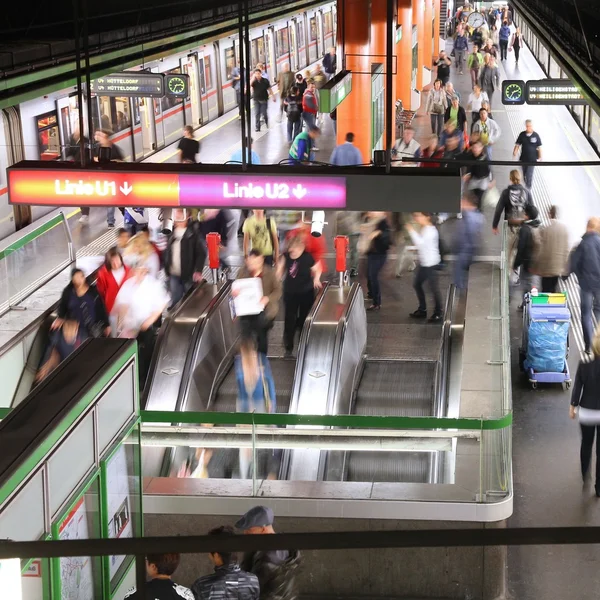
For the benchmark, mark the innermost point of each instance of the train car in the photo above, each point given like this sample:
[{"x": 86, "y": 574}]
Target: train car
[{"x": 47, "y": 128}]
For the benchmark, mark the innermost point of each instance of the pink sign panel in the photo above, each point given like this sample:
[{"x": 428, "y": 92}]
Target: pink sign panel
[{"x": 264, "y": 191}]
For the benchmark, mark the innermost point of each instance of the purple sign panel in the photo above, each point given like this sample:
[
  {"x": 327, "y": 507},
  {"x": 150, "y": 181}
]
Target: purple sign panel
[{"x": 264, "y": 191}]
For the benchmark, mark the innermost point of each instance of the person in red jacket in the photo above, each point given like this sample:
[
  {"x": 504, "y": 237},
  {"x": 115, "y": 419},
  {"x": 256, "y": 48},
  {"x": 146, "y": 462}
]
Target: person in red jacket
[{"x": 111, "y": 277}]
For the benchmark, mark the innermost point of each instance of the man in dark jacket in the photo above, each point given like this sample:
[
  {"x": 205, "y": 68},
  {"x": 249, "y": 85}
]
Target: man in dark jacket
[
  {"x": 528, "y": 248},
  {"x": 228, "y": 582},
  {"x": 184, "y": 256},
  {"x": 585, "y": 263},
  {"x": 275, "y": 569},
  {"x": 330, "y": 63}
]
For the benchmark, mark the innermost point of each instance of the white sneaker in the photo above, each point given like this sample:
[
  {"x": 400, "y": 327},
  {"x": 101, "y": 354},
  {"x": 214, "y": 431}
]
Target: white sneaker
[{"x": 84, "y": 219}]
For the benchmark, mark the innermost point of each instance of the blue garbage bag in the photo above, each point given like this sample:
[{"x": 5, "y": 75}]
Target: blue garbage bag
[{"x": 547, "y": 346}]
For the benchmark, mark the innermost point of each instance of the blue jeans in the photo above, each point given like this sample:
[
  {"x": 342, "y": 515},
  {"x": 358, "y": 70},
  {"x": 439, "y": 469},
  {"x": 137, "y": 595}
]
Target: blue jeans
[
  {"x": 177, "y": 288},
  {"x": 261, "y": 108},
  {"x": 375, "y": 263},
  {"x": 110, "y": 215},
  {"x": 423, "y": 274},
  {"x": 293, "y": 129},
  {"x": 590, "y": 300},
  {"x": 309, "y": 119}
]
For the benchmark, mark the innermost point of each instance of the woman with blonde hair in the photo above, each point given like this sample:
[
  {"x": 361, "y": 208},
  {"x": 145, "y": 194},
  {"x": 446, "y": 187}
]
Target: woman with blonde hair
[
  {"x": 585, "y": 400},
  {"x": 139, "y": 251}
]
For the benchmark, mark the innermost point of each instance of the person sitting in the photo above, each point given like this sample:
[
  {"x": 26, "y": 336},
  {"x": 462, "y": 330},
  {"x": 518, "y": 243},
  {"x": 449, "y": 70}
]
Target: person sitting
[
  {"x": 160, "y": 568},
  {"x": 228, "y": 582}
]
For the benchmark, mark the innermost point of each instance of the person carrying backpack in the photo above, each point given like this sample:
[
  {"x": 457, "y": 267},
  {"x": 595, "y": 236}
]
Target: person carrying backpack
[
  {"x": 293, "y": 109},
  {"x": 513, "y": 201},
  {"x": 528, "y": 248}
]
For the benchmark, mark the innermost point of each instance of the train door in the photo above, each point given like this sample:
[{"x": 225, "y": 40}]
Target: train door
[
  {"x": 188, "y": 117},
  {"x": 158, "y": 120},
  {"x": 293, "y": 47},
  {"x": 320, "y": 39},
  {"x": 203, "y": 88},
  {"x": 272, "y": 61},
  {"x": 302, "y": 44},
  {"x": 68, "y": 111},
  {"x": 219, "y": 79},
  {"x": 145, "y": 110},
  {"x": 312, "y": 39},
  {"x": 190, "y": 67}
]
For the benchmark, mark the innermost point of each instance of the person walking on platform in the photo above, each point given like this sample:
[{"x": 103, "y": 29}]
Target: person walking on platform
[
  {"x": 184, "y": 257},
  {"x": 474, "y": 64},
  {"x": 236, "y": 84},
  {"x": 302, "y": 277},
  {"x": 303, "y": 146},
  {"x": 160, "y": 568},
  {"x": 516, "y": 43},
  {"x": 261, "y": 90},
  {"x": 458, "y": 116},
  {"x": 450, "y": 93},
  {"x": 346, "y": 154},
  {"x": 228, "y": 582},
  {"x": 285, "y": 82},
  {"x": 554, "y": 252},
  {"x": 461, "y": 47},
  {"x": 529, "y": 144},
  {"x": 427, "y": 242},
  {"x": 443, "y": 64},
  {"x": 478, "y": 176},
  {"x": 106, "y": 151},
  {"x": 275, "y": 569},
  {"x": 375, "y": 241},
  {"x": 490, "y": 78},
  {"x": 504, "y": 36},
  {"x": 258, "y": 326},
  {"x": 467, "y": 239},
  {"x": 512, "y": 202},
  {"x": 406, "y": 147},
  {"x": 585, "y": 263},
  {"x": 293, "y": 110},
  {"x": 585, "y": 400},
  {"x": 436, "y": 106},
  {"x": 301, "y": 83},
  {"x": 188, "y": 147},
  {"x": 330, "y": 63},
  {"x": 476, "y": 99},
  {"x": 528, "y": 250},
  {"x": 488, "y": 131},
  {"x": 310, "y": 105}
]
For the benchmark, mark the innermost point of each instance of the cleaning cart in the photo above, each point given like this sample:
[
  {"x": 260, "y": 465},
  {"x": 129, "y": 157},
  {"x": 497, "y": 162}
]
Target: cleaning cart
[{"x": 545, "y": 343}]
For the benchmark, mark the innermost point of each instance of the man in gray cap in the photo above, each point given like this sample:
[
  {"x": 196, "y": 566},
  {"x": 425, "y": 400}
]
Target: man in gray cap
[{"x": 275, "y": 569}]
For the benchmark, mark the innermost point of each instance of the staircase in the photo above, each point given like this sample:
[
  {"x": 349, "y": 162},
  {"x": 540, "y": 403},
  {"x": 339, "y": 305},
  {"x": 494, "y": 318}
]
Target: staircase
[{"x": 443, "y": 17}]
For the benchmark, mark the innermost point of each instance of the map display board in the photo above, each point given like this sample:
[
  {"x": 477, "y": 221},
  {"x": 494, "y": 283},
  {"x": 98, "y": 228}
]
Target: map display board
[{"x": 76, "y": 573}]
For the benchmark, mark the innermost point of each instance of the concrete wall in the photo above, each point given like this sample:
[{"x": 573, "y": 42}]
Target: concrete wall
[{"x": 465, "y": 573}]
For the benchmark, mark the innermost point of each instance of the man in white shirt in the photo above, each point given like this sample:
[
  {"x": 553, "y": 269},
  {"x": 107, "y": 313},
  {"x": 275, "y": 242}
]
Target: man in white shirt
[
  {"x": 407, "y": 147},
  {"x": 428, "y": 249}
]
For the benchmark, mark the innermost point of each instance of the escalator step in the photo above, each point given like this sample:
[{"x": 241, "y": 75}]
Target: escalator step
[{"x": 405, "y": 467}]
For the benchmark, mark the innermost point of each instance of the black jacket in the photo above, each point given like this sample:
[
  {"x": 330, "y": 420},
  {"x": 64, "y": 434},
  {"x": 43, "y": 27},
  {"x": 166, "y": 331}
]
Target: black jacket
[
  {"x": 71, "y": 307},
  {"x": 585, "y": 262},
  {"x": 481, "y": 169},
  {"x": 216, "y": 225},
  {"x": 193, "y": 252},
  {"x": 381, "y": 244},
  {"x": 513, "y": 200},
  {"x": 586, "y": 389},
  {"x": 277, "y": 579},
  {"x": 526, "y": 246},
  {"x": 228, "y": 582},
  {"x": 461, "y": 117}
]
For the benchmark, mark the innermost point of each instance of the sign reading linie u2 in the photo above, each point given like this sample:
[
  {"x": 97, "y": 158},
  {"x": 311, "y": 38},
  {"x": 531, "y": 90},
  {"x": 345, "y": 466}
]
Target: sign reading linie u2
[
  {"x": 541, "y": 92},
  {"x": 145, "y": 85}
]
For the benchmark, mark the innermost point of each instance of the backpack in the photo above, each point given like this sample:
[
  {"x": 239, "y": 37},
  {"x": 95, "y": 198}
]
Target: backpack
[
  {"x": 518, "y": 201},
  {"x": 293, "y": 112}
]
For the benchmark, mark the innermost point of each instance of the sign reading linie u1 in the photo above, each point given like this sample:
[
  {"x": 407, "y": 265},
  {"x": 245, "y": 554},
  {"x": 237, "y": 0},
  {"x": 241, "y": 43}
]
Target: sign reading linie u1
[
  {"x": 547, "y": 92},
  {"x": 145, "y": 85}
]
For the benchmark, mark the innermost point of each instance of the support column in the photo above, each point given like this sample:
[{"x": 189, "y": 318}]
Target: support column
[
  {"x": 404, "y": 53},
  {"x": 427, "y": 34},
  {"x": 419, "y": 20},
  {"x": 354, "y": 113},
  {"x": 439, "y": 19}
]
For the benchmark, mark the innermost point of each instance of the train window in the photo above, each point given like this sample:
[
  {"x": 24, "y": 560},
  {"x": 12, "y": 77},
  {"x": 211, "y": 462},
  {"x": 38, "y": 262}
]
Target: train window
[
  {"x": 48, "y": 137},
  {"x": 258, "y": 51},
  {"x": 114, "y": 114},
  {"x": 207, "y": 73},
  {"x": 313, "y": 29},
  {"x": 283, "y": 44},
  {"x": 327, "y": 23},
  {"x": 301, "y": 42},
  {"x": 229, "y": 62}
]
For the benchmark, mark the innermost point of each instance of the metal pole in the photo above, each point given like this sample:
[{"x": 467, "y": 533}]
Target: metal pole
[
  {"x": 88, "y": 82},
  {"x": 389, "y": 83},
  {"x": 76, "y": 18},
  {"x": 247, "y": 82},
  {"x": 242, "y": 106}
]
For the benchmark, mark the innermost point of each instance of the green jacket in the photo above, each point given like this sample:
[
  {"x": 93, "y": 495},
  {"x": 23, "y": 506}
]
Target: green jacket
[
  {"x": 301, "y": 147},
  {"x": 470, "y": 60}
]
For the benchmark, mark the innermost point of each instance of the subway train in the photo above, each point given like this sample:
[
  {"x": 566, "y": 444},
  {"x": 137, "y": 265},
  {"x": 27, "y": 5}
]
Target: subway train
[{"x": 43, "y": 128}]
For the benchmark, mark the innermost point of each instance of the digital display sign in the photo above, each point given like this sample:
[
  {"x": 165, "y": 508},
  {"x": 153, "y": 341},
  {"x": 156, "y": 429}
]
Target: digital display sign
[
  {"x": 54, "y": 187},
  {"x": 553, "y": 91},
  {"x": 129, "y": 84}
]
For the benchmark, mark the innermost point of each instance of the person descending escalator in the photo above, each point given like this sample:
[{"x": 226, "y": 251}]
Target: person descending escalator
[
  {"x": 275, "y": 569},
  {"x": 63, "y": 343},
  {"x": 302, "y": 278},
  {"x": 111, "y": 276},
  {"x": 375, "y": 241}
]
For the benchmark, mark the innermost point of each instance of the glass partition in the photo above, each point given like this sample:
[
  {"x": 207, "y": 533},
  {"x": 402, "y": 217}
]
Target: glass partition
[{"x": 31, "y": 260}]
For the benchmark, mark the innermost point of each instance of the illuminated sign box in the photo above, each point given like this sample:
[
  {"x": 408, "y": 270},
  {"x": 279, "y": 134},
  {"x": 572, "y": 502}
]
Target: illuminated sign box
[
  {"x": 332, "y": 94},
  {"x": 553, "y": 92}
]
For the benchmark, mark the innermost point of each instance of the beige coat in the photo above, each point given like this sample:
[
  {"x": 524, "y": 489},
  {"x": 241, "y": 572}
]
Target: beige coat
[{"x": 553, "y": 257}]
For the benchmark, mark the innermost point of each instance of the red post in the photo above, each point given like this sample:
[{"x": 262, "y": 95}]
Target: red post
[
  {"x": 341, "y": 245},
  {"x": 213, "y": 241}
]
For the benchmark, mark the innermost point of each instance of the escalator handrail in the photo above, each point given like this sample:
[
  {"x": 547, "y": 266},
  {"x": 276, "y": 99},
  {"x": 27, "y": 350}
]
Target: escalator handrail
[
  {"x": 302, "y": 347},
  {"x": 353, "y": 296},
  {"x": 221, "y": 296},
  {"x": 443, "y": 362}
]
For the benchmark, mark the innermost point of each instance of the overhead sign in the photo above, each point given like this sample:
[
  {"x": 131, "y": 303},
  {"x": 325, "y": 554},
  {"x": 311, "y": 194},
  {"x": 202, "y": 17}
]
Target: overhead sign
[
  {"x": 334, "y": 91},
  {"x": 129, "y": 84},
  {"x": 541, "y": 92},
  {"x": 553, "y": 91},
  {"x": 54, "y": 187}
]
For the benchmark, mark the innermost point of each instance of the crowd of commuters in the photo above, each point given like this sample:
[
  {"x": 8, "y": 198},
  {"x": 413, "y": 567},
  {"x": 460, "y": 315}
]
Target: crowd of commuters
[{"x": 260, "y": 575}]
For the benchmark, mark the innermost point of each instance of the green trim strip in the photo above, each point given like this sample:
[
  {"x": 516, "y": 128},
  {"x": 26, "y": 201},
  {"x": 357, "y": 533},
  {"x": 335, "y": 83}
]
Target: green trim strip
[
  {"x": 355, "y": 421},
  {"x": 32, "y": 235},
  {"x": 4, "y": 412},
  {"x": 31, "y": 463}
]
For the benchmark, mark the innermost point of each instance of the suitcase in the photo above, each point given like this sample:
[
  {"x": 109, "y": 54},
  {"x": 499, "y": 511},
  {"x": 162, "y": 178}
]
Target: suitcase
[{"x": 545, "y": 343}]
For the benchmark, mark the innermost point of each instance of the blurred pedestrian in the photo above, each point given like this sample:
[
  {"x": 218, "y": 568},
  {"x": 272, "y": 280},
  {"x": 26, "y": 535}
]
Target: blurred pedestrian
[
  {"x": 528, "y": 250},
  {"x": 63, "y": 342},
  {"x": 111, "y": 276},
  {"x": 489, "y": 78},
  {"x": 478, "y": 176},
  {"x": 293, "y": 108},
  {"x": 260, "y": 233},
  {"x": 285, "y": 81},
  {"x": 442, "y": 65},
  {"x": 375, "y": 242},
  {"x": 140, "y": 250},
  {"x": 346, "y": 154},
  {"x": 554, "y": 252},
  {"x": 304, "y": 145},
  {"x": 467, "y": 239},
  {"x": 436, "y": 106},
  {"x": 106, "y": 151},
  {"x": 330, "y": 63},
  {"x": 188, "y": 147}
]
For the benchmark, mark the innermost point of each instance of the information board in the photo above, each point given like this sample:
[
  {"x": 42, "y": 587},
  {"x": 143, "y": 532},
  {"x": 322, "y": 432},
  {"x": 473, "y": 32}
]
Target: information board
[
  {"x": 79, "y": 187},
  {"x": 332, "y": 94},
  {"x": 553, "y": 92},
  {"x": 129, "y": 84}
]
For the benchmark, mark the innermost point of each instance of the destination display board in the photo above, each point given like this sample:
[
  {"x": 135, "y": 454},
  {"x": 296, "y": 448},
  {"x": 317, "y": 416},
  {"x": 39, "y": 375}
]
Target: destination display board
[
  {"x": 549, "y": 92},
  {"x": 130, "y": 84},
  {"x": 58, "y": 187}
]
